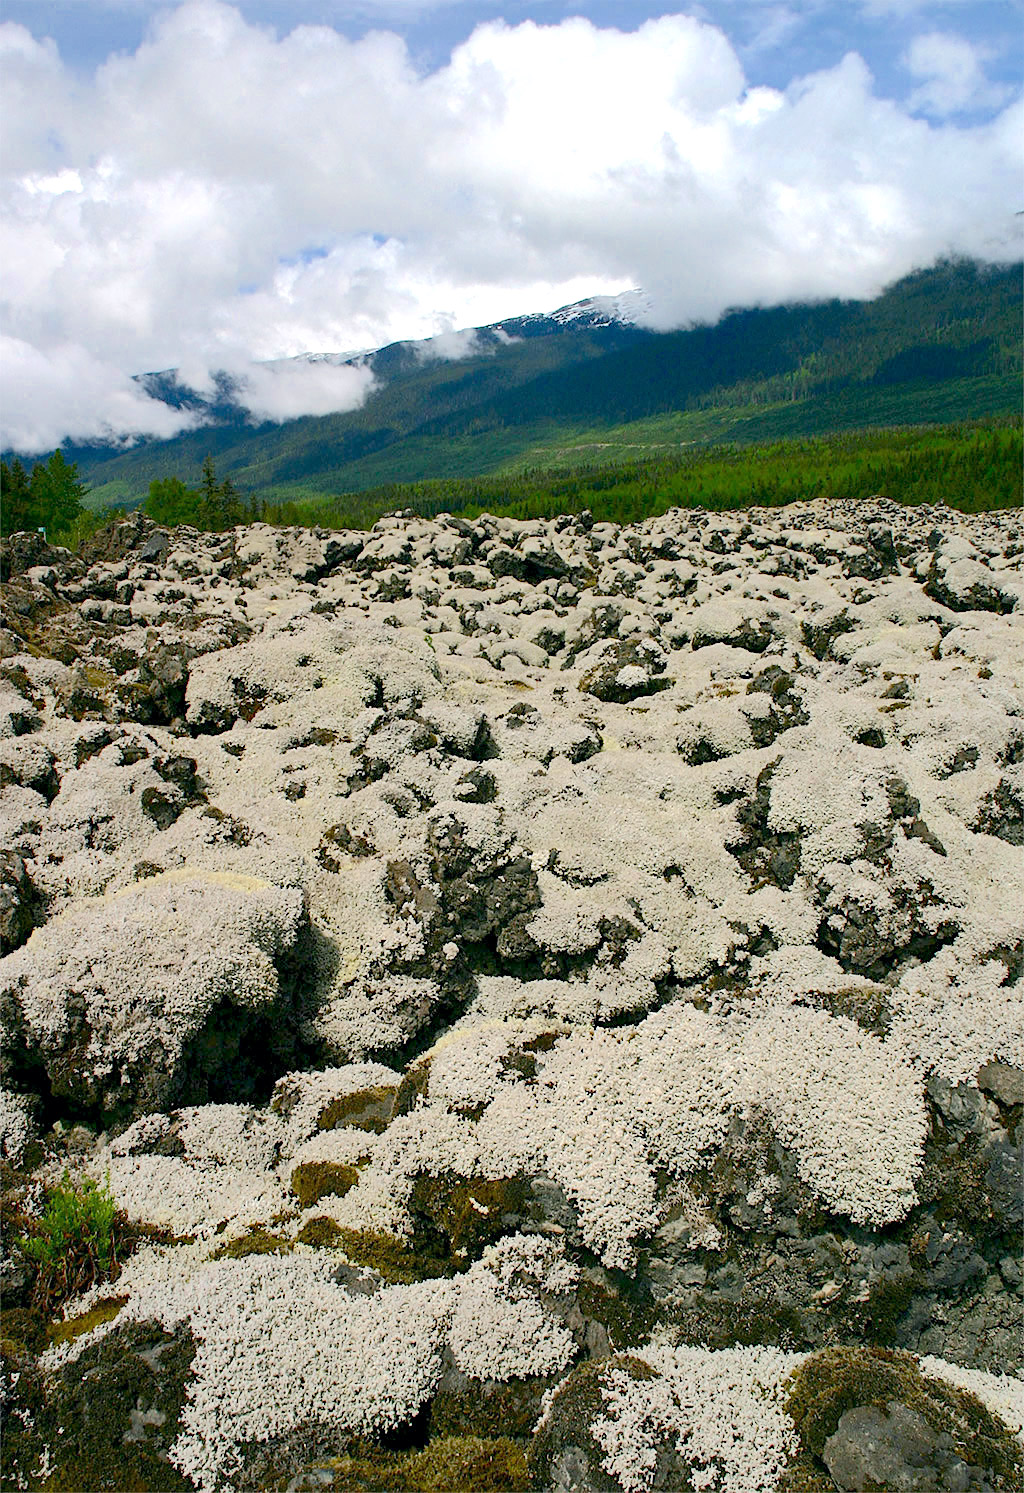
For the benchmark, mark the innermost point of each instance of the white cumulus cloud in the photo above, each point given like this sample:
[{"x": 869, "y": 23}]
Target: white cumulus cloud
[
  {"x": 225, "y": 195},
  {"x": 62, "y": 391},
  {"x": 285, "y": 390},
  {"x": 952, "y": 75}
]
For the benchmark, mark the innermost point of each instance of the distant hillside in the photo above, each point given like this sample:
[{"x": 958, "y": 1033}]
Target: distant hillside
[{"x": 941, "y": 345}]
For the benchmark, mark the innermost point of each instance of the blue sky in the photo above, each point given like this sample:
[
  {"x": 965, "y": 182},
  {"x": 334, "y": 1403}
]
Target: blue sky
[
  {"x": 204, "y": 185},
  {"x": 776, "y": 41}
]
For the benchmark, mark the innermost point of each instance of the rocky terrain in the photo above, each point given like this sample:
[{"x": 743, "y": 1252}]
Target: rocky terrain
[{"x": 545, "y": 999}]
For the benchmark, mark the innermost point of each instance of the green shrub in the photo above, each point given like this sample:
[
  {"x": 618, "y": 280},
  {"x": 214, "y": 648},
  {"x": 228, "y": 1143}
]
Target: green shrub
[{"x": 74, "y": 1242}]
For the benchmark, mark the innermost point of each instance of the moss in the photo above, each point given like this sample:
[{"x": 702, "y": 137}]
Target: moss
[
  {"x": 256, "y": 1241},
  {"x": 576, "y": 1404},
  {"x": 829, "y": 1383},
  {"x": 105, "y": 1310},
  {"x": 467, "y": 1464},
  {"x": 320, "y": 1233},
  {"x": 111, "y": 1417},
  {"x": 366, "y": 1109},
  {"x": 726, "y": 1323},
  {"x": 628, "y": 1322},
  {"x": 312, "y": 1180},
  {"x": 25, "y": 1327},
  {"x": 888, "y": 1302},
  {"x": 953, "y": 1182},
  {"x": 449, "y": 1464},
  {"x": 523, "y": 1060},
  {"x": 805, "y": 1475},
  {"x": 868, "y": 1009},
  {"x": 454, "y": 1219},
  {"x": 393, "y": 1259},
  {"x": 413, "y": 1088},
  {"x": 23, "y": 1396},
  {"x": 459, "y": 1217},
  {"x": 509, "y": 1407}
]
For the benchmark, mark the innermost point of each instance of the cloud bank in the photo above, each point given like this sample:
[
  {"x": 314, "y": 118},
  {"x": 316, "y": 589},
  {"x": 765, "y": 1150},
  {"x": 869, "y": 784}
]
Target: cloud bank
[{"x": 225, "y": 196}]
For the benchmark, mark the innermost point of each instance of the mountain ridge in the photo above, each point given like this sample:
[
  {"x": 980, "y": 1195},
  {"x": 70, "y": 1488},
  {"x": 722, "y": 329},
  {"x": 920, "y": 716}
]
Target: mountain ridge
[{"x": 949, "y": 331}]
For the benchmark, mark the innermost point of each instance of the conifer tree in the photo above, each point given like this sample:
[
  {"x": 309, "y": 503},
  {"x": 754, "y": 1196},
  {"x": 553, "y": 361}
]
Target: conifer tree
[{"x": 50, "y": 499}]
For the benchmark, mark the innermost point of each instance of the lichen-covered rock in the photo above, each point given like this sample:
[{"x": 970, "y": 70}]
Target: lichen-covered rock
[
  {"x": 872, "y": 1417},
  {"x": 116, "y": 995},
  {"x": 112, "y": 1415},
  {"x": 525, "y": 971},
  {"x": 20, "y": 903},
  {"x": 626, "y": 670}
]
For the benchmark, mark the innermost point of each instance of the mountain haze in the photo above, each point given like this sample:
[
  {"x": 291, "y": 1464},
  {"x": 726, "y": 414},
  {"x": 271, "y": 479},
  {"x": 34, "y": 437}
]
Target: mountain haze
[{"x": 942, "y": 344}]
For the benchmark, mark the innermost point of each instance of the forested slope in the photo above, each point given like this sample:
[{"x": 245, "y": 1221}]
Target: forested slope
[{"x": 941, "y": 345}]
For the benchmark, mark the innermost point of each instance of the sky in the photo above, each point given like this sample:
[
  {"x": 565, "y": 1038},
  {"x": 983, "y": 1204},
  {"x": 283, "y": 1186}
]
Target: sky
[{"x": 207, "y": 187}]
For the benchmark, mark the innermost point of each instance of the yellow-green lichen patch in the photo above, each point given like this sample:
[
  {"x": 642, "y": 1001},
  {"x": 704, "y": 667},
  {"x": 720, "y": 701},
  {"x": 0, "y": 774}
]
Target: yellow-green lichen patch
[
  {"x": 836, "y": 1380},
  {"x": 256, "y": 1241},
  {"x": 366, "y": 1109},
  {"x": 312, "y": 1180},
  {"x": 105, "y": 1310}
]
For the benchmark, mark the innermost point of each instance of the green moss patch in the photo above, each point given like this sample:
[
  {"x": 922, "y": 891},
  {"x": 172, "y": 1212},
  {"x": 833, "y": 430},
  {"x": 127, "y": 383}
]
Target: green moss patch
[
  {"x": 450, "y": 1464},
  {"x": 23, "y": 1396},
  {"x": 394, "y": 1260},
  {"x": 835, "y": 1380},
  {"x": 312, "y": 1180},
  {"x": 492, "y": 1408},
  {"x": 805, "y": 1475},
  {"x": 577, "y": 1403},
  {"x": 256, "y": 1241},
  {"x": 954, "y": 1183},
  {"x": 111, "y": 1417},
  {"x": 366, "y": 1109},
  {"x": 628, "y": 1322},
  {"x": 454, "y": 1219},
  {"x": 413, "y": 1088},
  {"x": 105, "y": 1310},
  {"x": 321, "y": 1233},
  {"x": 24, "y": 1328},
  {"x": 457, "y": 1217},
  {"x": 467, "y": 1464}
]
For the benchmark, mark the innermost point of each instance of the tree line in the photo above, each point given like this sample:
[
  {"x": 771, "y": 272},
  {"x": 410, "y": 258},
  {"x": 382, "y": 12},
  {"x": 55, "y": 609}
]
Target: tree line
[
  {"x": 973, "y": 467},
  {"x": 213, "y": 505},
  {"x": 51, "y": 497},
  {"x": 48, "y": 498}
]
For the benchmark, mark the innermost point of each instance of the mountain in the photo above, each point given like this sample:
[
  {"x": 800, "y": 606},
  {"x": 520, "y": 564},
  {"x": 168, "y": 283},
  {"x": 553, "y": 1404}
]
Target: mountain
[{"x": 942, "y": 344}]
